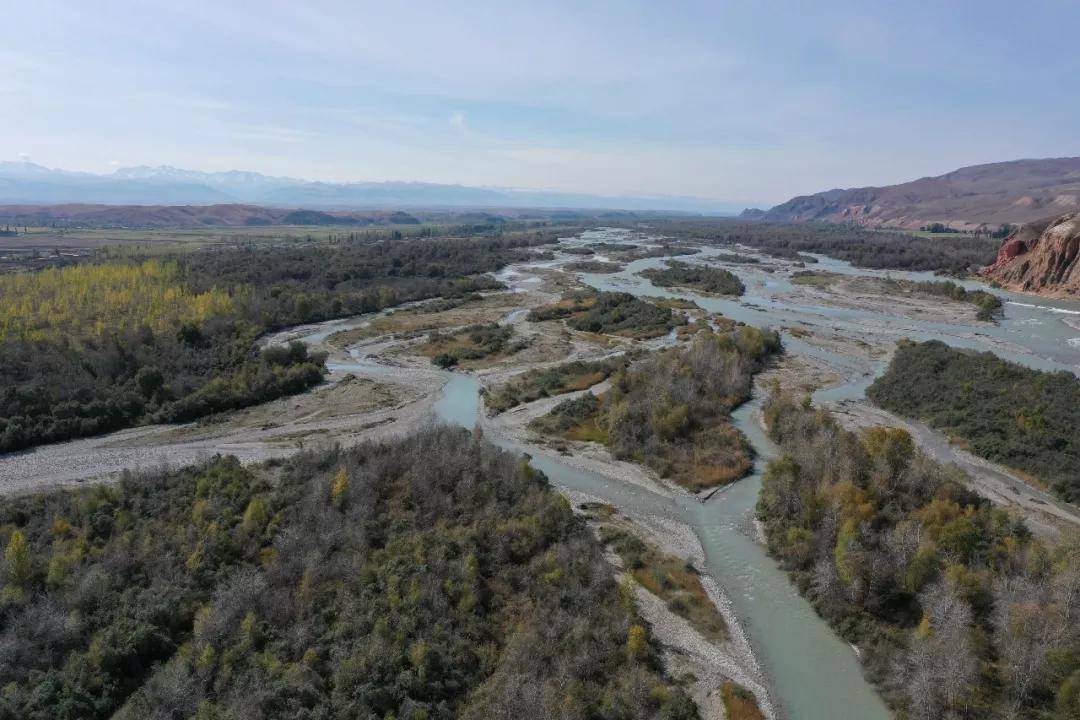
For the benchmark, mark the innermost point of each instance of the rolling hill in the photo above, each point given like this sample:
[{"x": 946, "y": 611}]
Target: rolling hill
[{"x": 1014, "y": 192}]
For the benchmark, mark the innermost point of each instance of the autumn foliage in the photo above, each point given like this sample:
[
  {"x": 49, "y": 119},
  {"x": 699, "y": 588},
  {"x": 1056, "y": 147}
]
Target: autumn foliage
[
  {"x": 91, "y": 300},
  {"x": 959, "y": 611}
]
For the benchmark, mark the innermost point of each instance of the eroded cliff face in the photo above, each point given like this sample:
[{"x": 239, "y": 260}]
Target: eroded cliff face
[{"x": 1041, "y": 257}]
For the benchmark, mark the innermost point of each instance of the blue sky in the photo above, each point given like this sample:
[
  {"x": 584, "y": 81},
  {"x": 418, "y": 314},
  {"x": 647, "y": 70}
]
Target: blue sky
[{"x": 748, "y": 102}]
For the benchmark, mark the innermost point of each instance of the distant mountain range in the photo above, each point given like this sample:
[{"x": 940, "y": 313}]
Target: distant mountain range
[
  {"x": 1013, "y": 192},
  {"x": 26, "y": 183}
]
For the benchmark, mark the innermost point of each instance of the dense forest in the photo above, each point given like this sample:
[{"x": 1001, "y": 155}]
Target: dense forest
[
  {"x": 434, "y": 576},
  {"x": 696, "y": 277},
  {"x": 958, "y": 611},
  {"x": 859, "y": 246},
  {"x": 671, "y": 410},
  {"x": 1023, "y": 418},
  {"x": 91, "y": 348}
]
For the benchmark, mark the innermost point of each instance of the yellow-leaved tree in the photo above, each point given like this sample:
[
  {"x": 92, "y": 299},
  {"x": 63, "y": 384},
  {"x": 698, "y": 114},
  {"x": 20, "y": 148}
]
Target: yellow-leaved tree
[
  {"x": 19, "y": 565},
  {"x": 339, "y": 488}
]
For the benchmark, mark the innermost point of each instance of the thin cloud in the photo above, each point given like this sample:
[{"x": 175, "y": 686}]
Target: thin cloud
[{"x": 723, "y": 100}]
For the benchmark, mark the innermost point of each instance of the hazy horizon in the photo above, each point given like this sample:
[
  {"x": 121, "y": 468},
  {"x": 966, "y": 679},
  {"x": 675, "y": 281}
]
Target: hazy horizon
[
  {"x": 737, "y": 103},
  {"x": 130, "y": 171}
]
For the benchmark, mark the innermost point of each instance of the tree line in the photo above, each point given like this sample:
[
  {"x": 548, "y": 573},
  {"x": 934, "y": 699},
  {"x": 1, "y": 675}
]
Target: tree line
[
  {"x": 957, "y": 610},
  {"x": 859, "y": 246}
]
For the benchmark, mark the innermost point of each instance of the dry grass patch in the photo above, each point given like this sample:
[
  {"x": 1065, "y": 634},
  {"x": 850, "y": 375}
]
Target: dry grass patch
[
  {"x": 597, "y": 510},
  {"x": 814, "y": 278},
  {"x": 719, "y": 455},
  {"x": 428, "y": 316},
  {"x": 674, "y": 581},
  {"x": 551, "y": 381},
  {"x": 739, "y": 703},
  {"x": 574, "y": 419}
]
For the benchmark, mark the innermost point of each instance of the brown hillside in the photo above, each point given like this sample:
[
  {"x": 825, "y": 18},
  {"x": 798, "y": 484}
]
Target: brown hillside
[{"x": 1013, "y": 192}]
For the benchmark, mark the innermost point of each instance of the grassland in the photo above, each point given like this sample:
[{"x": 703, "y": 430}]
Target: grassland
[
  {"x": 987, "y": 304},
  {"x": 815, "y": 278},
  {"x": 414, "y": 320}
]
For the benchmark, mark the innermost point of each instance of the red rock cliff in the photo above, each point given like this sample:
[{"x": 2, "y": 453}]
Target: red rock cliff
[{"x": 1041, "y": 257}]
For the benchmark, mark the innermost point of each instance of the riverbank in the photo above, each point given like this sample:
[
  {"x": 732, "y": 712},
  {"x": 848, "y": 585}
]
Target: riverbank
[{"x": 733, "y": 660}]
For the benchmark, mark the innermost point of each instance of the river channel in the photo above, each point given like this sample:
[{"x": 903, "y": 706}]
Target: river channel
[{"x": 813, "y": 674}]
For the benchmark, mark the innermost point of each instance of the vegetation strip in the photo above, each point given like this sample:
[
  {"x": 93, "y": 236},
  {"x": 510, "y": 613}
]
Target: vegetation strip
[
  {"x": 674, "y": 581},
  {"x": 594, "y": 266},
  {"x": 613, "y": 313},
  {"x": 860, "y": 246},
  {"x": 470, "y": 344},
  {"x": 740, "y": 703},
  {"x": 1023, "y": 418},
  {"x": 987, "y": 303},
  {"x": 696, "y": 277},
  {"x": 551, "y": 381}
]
